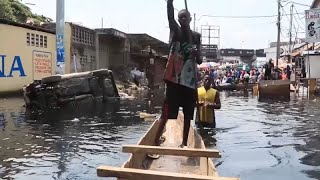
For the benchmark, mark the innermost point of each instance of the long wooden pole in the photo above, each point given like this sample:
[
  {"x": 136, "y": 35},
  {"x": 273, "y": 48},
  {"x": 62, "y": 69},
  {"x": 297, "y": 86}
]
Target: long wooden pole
[{"x": 194, "y": 67}]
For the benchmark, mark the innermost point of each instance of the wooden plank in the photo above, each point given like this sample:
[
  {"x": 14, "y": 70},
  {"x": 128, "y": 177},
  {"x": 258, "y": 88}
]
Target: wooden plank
[
  {"x": 132, "y": 174},
  {"x": 171, "y": 151}
]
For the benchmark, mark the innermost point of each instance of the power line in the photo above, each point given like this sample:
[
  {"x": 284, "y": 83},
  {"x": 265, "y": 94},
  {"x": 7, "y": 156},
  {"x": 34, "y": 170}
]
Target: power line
[
  {"x": 243, "y": 17},
  {"x": 299, "y": 27},
  {"x": 283, "y": 35},
  {"x": 293, "y": 2},
  {"x": 300, "y": 4},
  {"x": 299, "y": 16},
  {"x": 288, "y": 17}
]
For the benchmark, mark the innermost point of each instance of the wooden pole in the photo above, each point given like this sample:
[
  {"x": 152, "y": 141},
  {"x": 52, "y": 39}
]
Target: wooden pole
[
  {"x": 194, "y": 22},
  {"x": 278, "y": 34},
  {"x": 186, "y": 4}
]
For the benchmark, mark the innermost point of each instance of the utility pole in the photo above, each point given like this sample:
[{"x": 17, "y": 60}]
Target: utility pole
[
  {"x": 279, "y": 31},
  {"x": 209, "y": 35},
  {"x": 60, "y": 66},
  {"x": 194, "y": 22},
  {"x": 290, "y": 33},
  {"x": 102, "y": 23},
  {"x": 215, "y": 36}
]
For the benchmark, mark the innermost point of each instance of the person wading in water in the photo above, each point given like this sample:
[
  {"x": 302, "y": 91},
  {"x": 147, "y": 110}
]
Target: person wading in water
[
  {"x": 269, "y": 68},
  {"x": 209, "y": 100},
  {"x": 179, "y": 76}
]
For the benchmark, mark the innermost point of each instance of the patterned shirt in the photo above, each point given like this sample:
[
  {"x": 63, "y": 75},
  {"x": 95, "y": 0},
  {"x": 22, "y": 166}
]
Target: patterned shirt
[{"x": 181, "y": 68}]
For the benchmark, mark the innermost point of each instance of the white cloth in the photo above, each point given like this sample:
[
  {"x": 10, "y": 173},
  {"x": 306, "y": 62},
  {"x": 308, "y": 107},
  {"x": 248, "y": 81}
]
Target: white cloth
[{"x": 138, "y": 74}]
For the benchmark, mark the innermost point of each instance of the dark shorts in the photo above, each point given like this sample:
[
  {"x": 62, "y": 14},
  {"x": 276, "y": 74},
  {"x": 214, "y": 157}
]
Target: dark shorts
[{"x": 179, "y": 96}]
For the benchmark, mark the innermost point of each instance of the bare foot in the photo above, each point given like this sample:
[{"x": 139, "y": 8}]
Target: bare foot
[
  {"x": 160, "y": 141},
  {"x": 153, "y": 156},
  {"x": 182, "y": 146}
]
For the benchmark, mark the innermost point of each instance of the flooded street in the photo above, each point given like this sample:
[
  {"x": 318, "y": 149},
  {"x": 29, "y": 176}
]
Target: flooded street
[{"x": 258, "y": 140}]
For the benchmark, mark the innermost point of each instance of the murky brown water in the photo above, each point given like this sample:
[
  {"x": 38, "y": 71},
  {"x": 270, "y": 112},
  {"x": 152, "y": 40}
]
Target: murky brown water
[{"x": 258, "y": 140}]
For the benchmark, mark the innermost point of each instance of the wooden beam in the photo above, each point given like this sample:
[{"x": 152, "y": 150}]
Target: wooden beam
[
  {"x": 132, "y": 174},
  {"x": 171, "y": 151}
]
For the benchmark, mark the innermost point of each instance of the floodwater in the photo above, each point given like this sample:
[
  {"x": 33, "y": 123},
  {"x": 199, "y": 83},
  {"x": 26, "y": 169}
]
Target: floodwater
[{"x": 258, "y": 140}]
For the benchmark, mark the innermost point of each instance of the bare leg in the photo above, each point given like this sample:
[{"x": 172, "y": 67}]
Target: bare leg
[
  {"x": 186, "y": 128},
  {"x": 163, "y": 121},
  {"x": 162, "y": 125}
]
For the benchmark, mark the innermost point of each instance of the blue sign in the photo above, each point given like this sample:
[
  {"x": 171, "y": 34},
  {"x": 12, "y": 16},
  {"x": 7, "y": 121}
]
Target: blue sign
[
  {"x": 60, "y": 55},
  {"x": 16, "y": 66},
  {"x": 60, "y": 49}
]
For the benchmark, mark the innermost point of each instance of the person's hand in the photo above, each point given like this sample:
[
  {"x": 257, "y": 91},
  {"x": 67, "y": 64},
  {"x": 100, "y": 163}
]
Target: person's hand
[
  {"x": 194, "y": 52},
  {"x": 209, "y": 104},
  {"x": 200, "y": 103}
]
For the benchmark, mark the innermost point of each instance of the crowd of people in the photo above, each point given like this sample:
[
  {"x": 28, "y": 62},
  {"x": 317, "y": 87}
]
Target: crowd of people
[{"x": 234, "y": 75}]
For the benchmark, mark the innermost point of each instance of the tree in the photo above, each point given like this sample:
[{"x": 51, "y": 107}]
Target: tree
[{"x": 14, "y": 10}]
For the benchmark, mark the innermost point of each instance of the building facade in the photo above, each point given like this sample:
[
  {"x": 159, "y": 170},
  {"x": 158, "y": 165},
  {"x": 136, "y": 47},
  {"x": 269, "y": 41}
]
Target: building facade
[
  {"x": 31, "y": 55},
  {"x": 27, "y": 53},
  {"x": 83, "y": 49},
  {"x": 113, "y": 48}
]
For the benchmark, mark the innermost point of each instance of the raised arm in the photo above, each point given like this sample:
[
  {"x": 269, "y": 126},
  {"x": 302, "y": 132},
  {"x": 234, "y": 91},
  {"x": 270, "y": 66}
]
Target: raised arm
[{"x": 172, "y": 22}]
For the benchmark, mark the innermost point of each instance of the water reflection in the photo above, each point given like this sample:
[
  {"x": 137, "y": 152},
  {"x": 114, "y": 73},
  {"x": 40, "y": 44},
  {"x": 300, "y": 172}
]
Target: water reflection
[
  {"x": 258, "y": 139},
  {"x": 66, "y": 144}
]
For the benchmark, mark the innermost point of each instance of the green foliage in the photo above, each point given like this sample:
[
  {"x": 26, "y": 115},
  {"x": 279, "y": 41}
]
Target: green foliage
[{"x": 14, "y": 10}]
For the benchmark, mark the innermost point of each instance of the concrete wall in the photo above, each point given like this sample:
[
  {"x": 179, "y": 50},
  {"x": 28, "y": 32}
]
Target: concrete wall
[
  {"x": 67, "y": 46},
  {"x": 67, "y": 43},
  {"x": 113, "y": 52},
  {"x": 21, "y": 60},
  {"x": 83, "y": 48},
  {"x": 25, "y": 57},
  {"x": 314, "y": 62}
]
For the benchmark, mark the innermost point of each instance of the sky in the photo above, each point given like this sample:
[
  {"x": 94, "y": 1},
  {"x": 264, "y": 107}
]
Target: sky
[{"x": 150, "y": 16}]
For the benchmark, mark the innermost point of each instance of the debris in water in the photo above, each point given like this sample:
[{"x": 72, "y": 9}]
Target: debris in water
[
  {"x": 49, "y": 140},
  {"x": 75, "y": 120},
  {"x": 5, "y": 139},
  {"x": 9, "y": 159}
]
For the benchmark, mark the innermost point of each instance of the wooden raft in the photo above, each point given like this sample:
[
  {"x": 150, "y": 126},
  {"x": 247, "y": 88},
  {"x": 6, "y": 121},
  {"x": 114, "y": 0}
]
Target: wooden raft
[{"x": 175, "y": 163}]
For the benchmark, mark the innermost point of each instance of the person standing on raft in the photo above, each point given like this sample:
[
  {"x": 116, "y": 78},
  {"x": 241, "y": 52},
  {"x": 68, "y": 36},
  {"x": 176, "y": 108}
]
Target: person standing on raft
[{"x": 179, "y": 76}]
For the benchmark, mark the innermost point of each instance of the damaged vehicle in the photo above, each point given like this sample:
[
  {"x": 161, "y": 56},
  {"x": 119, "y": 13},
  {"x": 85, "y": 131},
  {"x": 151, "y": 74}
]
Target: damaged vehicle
[{"x": 55, "y": 91}]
